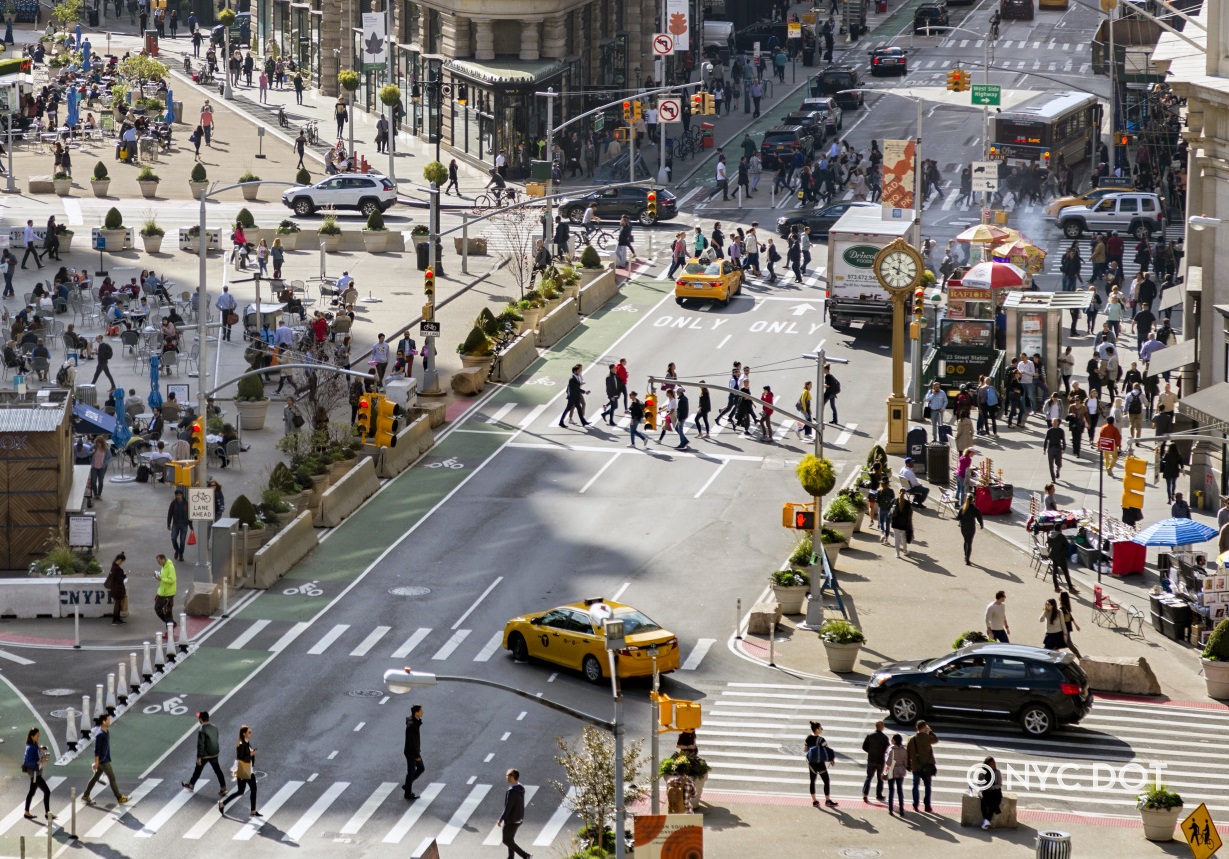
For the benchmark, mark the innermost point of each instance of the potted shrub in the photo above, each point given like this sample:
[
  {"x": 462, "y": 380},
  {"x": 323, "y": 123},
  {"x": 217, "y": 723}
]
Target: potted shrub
[
  {"x": 531, "y": 307},
  {"x": 330, "y": 235},
  {"x": 375, "y": 235},
  {"x": 303, "y": 177},
  {"x": 569, "y": 280},
  {"x": 113, "y": 232},
  {"x": 833, "y": 543},
  {"x": 148, "y": 180},
  {"x": 1159, "y": 810},
  {"x": 590, "y": 265},
  {"x": 859, "y": 503},
  {"x": 288, "y": 232},
  {"x": 478, "y": 349},
  {"x": 512, "y": 318},
  {"x": 273, "y": 507},
  {"x": 842, "y": 641},
  {"x": 841, "y": 516},
  {"x": 63, "y": 184},
  {"x": 789, "y": 588},
  {"x": 803, "y": 552},
  {"x": 66, "y": 237},
  {"x": 973, "y": 636},
  {"x": 251, "y": 403},
  {"x": 151, "y": 236},
  {"x": 199, "y": 180},
  {"x": 692, "y": 766},
  {"x": 245, "y": 511},
  {"x": 816, "y": 475},
  {"x": 101, "y": 182},
  {"x": 282, "y": 479},
  {"x": 1215, "y": 661},
  {"x": 249, "y": 191}
]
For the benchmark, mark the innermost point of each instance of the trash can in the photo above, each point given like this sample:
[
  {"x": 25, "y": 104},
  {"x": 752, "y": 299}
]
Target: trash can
[
  {"x": 539, "y": 170},
  {"x": 179, "y": 111},
  {"x": 93, "y": 15},
  {"x": 808, "y": 56},
  {"x": 706, "y": 130},
  {"x": 915, "y": 444},
  {"x": 938, "y": 464},
  {"x": 1052, "y": 844},
  {"x": 423, "y": 250}
]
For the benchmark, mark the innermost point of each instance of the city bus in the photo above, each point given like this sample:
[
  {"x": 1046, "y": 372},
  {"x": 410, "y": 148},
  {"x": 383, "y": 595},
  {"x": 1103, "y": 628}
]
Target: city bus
[{"x": 1042, "y": 127}]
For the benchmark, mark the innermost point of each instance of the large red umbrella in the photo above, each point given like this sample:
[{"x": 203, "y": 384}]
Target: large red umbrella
[{"x": 996, "y": 275}]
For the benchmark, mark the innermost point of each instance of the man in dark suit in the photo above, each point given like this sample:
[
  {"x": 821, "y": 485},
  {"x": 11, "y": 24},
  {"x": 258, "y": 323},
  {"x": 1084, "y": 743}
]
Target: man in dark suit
[
  {"x": 576, "y": 398},
  {"x": 413, "y": 750}
]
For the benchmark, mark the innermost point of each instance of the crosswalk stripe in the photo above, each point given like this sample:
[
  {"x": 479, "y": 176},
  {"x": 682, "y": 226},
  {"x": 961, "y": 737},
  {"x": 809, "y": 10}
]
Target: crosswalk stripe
[
  {"x": 370, "y": 641},
  {"x": 845, "y": 435},
  {"x": 296, "y": 832},
  {"x": 451, "y": 644},
  {"x": 178, "y": 801},
  {"x": 208, "y": 819},
  {"x": 411, "y": 816},
  {"x": 698, "y": 653},
  {"x": 489, "y": 649},
  {"x": 556, "y": 822},
  {"x": 411, "y": 642},
  {"x": 462, "y": 815},
  {"x": 368, "y": 808},
  {"x": 533, "y": 416},
  {"x": 951, "y": 199},
  {"x": 248, "y": 634},
  {"x": 112, "y": 817},
  {"x": 329, "y": 637},
  {"x": 18, "y": 813},
  {"x": 279, "y": 799},
  {"x": 501, "y": 413},
  {"x": 495, "y": 836},
  {"x": 288, "y": 639}
]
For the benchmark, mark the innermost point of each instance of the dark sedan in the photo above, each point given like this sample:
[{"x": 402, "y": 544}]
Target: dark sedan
[
  {"x": 819, "y": 220},
  {"x": 889, "y": 59},
  {"x": 614, "y": 203},
  {"x": 1038, "y": 688}
]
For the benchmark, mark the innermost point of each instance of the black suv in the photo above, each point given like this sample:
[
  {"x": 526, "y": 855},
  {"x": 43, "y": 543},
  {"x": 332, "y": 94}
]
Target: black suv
[
  {"x": 813, "y": 121},
  {"x": 1016, "y": 10},
  {"x": 771, "y": 36},
  {"x": 819, "y": 220},
  {"x": 843, "y": 83},
  {"x": 614, "y": 203},
  {"x": 783, "y": 142},
  {"x": 1038, "y": 688},
  {"x": 930, "y": 15}
]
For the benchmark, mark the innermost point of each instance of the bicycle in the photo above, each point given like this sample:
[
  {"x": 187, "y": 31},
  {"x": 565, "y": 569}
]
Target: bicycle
[
  {"x": 494, "y": 201},
  {"x": 312, "y": 130},
  {"x": 598, "y": 236}
]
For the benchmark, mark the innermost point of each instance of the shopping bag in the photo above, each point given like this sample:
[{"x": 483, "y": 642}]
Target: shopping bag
[{"x": 191, "y": 538}]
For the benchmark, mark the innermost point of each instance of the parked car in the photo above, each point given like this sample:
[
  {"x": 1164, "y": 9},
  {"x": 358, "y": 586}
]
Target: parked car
[
  {"x": 363, "y": 191},
  {"x": 772, "y": 35},
  {"x": 843, "y": 83},
  {"x": 819, "y": 220},
  {"x": 834, "y": 117},
  {"x": 813, "y": 121},
  {"x": 1129, "y": 212},
  {"x": 783, "y": 142},
  {"x": 1016, "y": 10},
  {"x": 932, "y": 14},
  {"x": 1038, "y": 688},
  {"x": 614, "y": 203},
  {"x": 889, "y": 58}
]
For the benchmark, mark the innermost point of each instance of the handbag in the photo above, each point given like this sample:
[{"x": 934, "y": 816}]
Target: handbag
[
  {"x": 123, "y": 606},
  {"x": 243, "y": 770},
  {"x": 191, "y": 538},
  {"x": 232, "y": 318},
  {"x": 926, "y": 413}
]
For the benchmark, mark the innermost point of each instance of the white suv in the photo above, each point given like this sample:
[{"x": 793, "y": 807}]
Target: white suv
[
  {"x": 363, "y": 191},
  {"x": 1129, "y": 212}
]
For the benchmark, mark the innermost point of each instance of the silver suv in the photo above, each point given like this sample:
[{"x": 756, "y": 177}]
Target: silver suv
[
  {"x": 834, "y": 117},
  {"x": 1129, "y": 212},
  {"x": 366, "y": 192}
]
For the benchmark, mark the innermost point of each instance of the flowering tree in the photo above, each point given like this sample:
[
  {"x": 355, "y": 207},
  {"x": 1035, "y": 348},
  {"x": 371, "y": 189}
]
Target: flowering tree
[{"x": 590, "y": 767}]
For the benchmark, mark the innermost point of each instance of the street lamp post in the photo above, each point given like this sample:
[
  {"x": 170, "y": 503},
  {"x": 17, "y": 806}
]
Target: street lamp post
[
  {"x": 821, "y": 359},
  {"x": 227, "y": 94},
  {"x": 549, "y": 220}
]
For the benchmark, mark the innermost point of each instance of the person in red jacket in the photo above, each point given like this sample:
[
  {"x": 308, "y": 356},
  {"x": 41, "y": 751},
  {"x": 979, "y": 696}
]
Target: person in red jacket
[{"x": 621, "y": 373}]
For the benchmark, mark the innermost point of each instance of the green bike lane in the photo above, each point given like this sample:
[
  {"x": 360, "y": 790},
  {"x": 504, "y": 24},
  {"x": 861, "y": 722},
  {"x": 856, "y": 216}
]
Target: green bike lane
[{"x": 347, "y": 554}]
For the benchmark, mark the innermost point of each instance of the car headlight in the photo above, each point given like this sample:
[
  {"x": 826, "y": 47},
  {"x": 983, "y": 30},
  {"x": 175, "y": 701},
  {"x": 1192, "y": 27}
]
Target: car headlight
[
  {"x": 780, "y": 222},
  {"x": 877, "y": 680}
]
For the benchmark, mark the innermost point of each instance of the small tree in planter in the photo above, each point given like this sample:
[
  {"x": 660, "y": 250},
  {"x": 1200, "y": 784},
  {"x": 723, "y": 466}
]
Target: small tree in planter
[
  {"x": 199, "y": 180},
  {"x": 151, "y": 235},
  {"x": 478, "y": 349},
  {"x": 244, "y": 219},
  {"x": 842, "y": 641},
  {"x": 250, "y": 191},
  {"x": 589, "y": 768},
  {"x": 590, "y": 261},
  {"x": 1215, "y": 661},
  {"x": 375, "y": 234},
  {"x": 973, "y": 636},
  {"x": 692, "y": 766},
  {"x": 148, "y": 180},
  {"x": 101, "y": 182},
  {"x": 790, "y": 587},
  {"x": 251, "y": 403},
  {"x": 303, "y": 177},
  {"x": 113, "y": 232},
  {"x": 245, "y": 511},
  {"x": 1159, "y": 810},
  {"x": 330, "y": 234}
]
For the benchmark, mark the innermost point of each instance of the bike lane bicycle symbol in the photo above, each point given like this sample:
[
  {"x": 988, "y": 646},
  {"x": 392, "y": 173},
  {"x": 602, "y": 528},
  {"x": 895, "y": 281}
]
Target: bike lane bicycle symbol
[
  {"x": 175, "y": 706},
  {"x": 310, "y": 589},
  {"x": 450, "y": 462}
]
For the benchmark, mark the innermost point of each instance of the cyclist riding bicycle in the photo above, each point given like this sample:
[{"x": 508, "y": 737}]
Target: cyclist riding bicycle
[
  {"x": 500, "y": 186},
  {"x": 994, "y": 24},
  {"x": 590, "y": 220}
]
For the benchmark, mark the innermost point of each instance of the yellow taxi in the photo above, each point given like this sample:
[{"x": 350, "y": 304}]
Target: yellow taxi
[
  {"x": 716, "y": 280},
  {"x": 1088, "y": 198},
  {"x": 571, "y": 635}
]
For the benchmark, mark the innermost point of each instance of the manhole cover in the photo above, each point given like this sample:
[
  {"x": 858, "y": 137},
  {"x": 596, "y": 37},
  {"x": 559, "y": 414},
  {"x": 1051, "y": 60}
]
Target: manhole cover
[
  {"x": 365, "y": 693},
  {"x": 59, "y": 714},
  {"x": 859, "y": 852},
  {"x": 409, "y": 591},
  {"x": 59, "y": 693}
]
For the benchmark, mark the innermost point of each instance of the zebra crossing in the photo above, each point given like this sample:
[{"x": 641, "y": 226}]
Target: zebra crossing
[{"x": 753, "y": 738}]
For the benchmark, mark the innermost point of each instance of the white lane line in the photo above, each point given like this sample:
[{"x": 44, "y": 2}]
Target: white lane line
[
  {"x": 581, "y": 448},
  {"x": 72, "y": 211},
  {"x": 357, "y": 728},
  {"x": 370, "y": 641},
  {"x": 251, "y": 632},
  {"x": 600, "y": 472},
  {"x": 951, "y": 199},
  {"x": 725, "y": 340},
  {"x": 711, "y": 478},
  {"x": 846, "y": 434},
  {"x": 488, "y": 650},
  {"x": 319, "y": 807},
  {"x": 411, "y": 642},
  {"x": 688, "y": 196},
  {"x": 368, "y": 808},
  {"x": 495, "y": 837},
  {"x": 533, "y": 416},
  {"x": 288, "y": 639},
  {"x": 13, "y": 657},
  {"x": 17, "y": 813},
  {"x": 411, "y": 816},
  {"x": 556, "y": 822},
  {"x": 113, "y": 816},
  {"x": 696, "y": 655},
  {"x": 168, "y": 811},
  {"x": 268, "y": 809},
  {"x": 618, "y": 595},
  {"x": 329, "y": 637},
  {"x": 478, "y": 601},
  {"x": 451, "y": 644},
  {"x": 499, "y": 415},
  {"x": 449, "y": 833}
]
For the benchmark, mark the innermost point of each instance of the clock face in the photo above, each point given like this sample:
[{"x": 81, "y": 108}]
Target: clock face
[{"x": 899, "y": 269}]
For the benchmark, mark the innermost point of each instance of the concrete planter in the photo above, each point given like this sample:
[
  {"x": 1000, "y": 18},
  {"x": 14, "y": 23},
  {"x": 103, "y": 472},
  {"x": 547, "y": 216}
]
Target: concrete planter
[
  {"x": 100, "y": 186},
  {"x": 339, "y": 468},
  {"x": 332, "y": 244},
  {"x": 843, "y": 657},
  {"x": 845, "y": 529},
  {"x": 470, "y": 361},
  {"x": 1216, "y": 676},
  {"x": 250, "y": 192},
  {"x": 477, "y": 246},
  {"x": 113, "y": 240},
  {"x": 66, "y": 241},
  {"x": 532, "y": 316},
  {"x": 63, "y": 187},
  {"x": 699, "y": 783},
  {"x": 148, "y": 189},
  {"x": 1159, "y": 823},
  {"x": 375, "y": 241},
  {"x": 514, "y": 359},
  {"x": 832, "y": 550},
  {"x": 196, "y": 188},
  {"x": 790, "y": 597},
  {"x": 153, "y": 244},
  {"x": 857, "y": 525},
  {"x": 588, "y": 275},
  {"x": 289, "y": 240},
  {"x": 252, "y": 413}
]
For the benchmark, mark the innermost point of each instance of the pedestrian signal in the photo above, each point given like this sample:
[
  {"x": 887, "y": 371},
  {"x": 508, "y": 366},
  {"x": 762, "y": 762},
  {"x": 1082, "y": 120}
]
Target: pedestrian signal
[
  {"x": 804, "y": 520},
  {"x": 197, "y": 441},
  {"x": 678, "y": 715},
  {"x": 387, "y": 421},
  {"x": 621, "y": 135},
  {"x": 1134, "y": 481},
  {"x": 650, "y": 412},
  {"x": 363, "y": 420}
]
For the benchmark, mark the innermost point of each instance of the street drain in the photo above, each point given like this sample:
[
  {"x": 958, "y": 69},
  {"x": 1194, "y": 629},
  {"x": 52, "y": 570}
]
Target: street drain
[
  {"x": 59, "y": 693},
  {"x": 365, "y": 693},
  {"x": 859, "y": 853},
  {"x": 409, "y": 591}
]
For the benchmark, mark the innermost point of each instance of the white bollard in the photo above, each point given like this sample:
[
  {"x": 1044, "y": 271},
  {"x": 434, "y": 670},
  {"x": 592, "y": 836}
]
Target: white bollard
[
  {"x": 147, "y": 669},
  {"x": 111, "y": 704},
  {"x": 159, "y": 654},
  {"x": 169, "y": 641},
  {"x": 87, "y": 727},
  {"x": 76, "y": 627},
  {"x": 72, "y": 818},
  {"x": 71, "y": 735},
  {"x": 121, "y": 685},
  {"x": 225, "y": 613},
  {"x": 772, "y": 645},
  {"x": 100, "y": 708},
  {"x": 740, "y": 196},
  {"x": 183, "y": 632}
]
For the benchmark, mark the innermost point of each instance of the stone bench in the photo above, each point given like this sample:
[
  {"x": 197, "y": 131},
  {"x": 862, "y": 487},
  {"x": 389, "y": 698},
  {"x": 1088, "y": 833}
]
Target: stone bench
[
  {"x": 1130, "y": 675},
  {"x": 40, "y": 185},
  {"x": 470, "y": 380},
  {"x": 970, "y": 812},
  {"x": 763, "y": 615}
]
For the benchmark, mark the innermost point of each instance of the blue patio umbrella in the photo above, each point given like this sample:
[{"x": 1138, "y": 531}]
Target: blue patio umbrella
[
  {"x": 85, "y": 63},
  {"x": 78, "y": 35},
  {"x": 85, "y": 54},
  {"x": 122, "y": 434},
  {"x": 155, "y": 398},
  {"x": 170, "y": 107},
  {"x": 72, "y": 118},
  {"x": 1175, "y": 532}
]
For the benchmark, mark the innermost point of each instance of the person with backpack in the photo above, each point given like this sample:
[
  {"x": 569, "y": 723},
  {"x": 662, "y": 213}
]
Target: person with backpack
[
  {"x": 1135, "y": 410},
  {"x": 819, "y": 757},
  {"x": 680, "y": 794},
  {"x": 678, "y": 252},
  {"x": 774, "y": 257},
  {"x": 700, "y": 243}
]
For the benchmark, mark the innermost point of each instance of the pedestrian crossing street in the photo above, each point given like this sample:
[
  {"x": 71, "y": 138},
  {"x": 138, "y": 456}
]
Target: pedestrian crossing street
[
  {"x": 305, "y": 811},
  {"x": 753, "y": 737}
]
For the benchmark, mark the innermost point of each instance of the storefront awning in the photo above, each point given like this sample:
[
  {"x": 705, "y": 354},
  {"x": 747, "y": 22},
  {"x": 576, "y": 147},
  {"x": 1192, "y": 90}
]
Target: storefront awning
[
  {"x": 1172, "y": 358},
  {"x": 507, "y": 71},
  {"x": 1208, "y": 406}
]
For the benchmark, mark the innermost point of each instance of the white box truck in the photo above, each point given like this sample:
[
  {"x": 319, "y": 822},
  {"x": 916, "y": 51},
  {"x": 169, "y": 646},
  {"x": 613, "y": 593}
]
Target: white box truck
[{"x": 854, "y": 294}]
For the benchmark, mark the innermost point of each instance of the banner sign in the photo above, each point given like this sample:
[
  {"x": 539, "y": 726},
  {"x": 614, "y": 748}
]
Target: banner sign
[
  {"x": 678, "y": 23},
  {"x": 897, "y": 183},
  {"x": 375, "y": 41}
]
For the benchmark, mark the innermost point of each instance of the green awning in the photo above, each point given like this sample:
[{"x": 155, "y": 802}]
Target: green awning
[{"x": 506, "y": 71}]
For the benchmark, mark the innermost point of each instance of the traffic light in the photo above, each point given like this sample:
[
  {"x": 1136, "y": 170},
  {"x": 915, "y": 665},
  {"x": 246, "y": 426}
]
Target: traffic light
[
  {"x": 363, "y": 422},
  {"x": 953, "y": 80},
  {"x": 650, "y": 412},
  {"x": 387, "y": 421},
  {"x": 697, "y": 103},
  {"x": 677, "y": 715},
  {"x": 1133, "y": 482},
  {"x": 197, "y": 441},
  {"x": 710, "y": 104},
  {"x": 650, "y": 204},
  {"x": 627, "y": 111},
  {"x": 428, "y": 283},
  {"x": 1124, "y": 140},
  {"x": 1045, "y": 156},
  {"x": 637, "y": 111},
  {"x": 919, "y": 303}
]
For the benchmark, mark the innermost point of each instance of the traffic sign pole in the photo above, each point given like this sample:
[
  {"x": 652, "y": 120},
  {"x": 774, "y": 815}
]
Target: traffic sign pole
[{"x": 668, "y": 113}]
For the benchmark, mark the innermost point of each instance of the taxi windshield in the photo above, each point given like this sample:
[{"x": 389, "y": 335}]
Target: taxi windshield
[{"x": 634, "y": 622}]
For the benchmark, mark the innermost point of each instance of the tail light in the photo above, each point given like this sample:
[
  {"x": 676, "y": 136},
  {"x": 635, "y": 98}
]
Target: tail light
[
  {"x": 1070, "y": 689},
  {"x": 629, "y": 651},
  {"x": 875, "y": 61},
  {"x": 680, "y": 283}
]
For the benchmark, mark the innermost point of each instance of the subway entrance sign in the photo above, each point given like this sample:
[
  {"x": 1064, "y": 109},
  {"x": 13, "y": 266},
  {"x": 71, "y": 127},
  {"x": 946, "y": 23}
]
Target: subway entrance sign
[{"x": 987, "y": 94}]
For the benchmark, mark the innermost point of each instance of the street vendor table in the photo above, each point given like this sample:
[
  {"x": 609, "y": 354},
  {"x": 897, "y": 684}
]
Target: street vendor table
[
  {"x": 993, "y": 500},
  {"x": 1127, "y": 557}
]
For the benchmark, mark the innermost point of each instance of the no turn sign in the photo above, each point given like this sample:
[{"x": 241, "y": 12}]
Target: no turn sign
[
  {"x": 663, "y": 43},
  {"x": 670, "y": 110}
]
